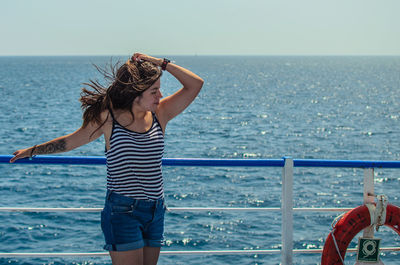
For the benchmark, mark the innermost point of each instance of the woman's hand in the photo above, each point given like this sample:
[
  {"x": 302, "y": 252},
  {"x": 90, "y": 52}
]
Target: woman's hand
[
  {"x": 21, "y": 154},
  {"x": 140, "y": 56}
]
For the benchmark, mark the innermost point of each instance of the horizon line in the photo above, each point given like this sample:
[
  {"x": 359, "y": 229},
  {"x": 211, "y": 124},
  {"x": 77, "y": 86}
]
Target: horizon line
[{"x": 199, "y": 55}]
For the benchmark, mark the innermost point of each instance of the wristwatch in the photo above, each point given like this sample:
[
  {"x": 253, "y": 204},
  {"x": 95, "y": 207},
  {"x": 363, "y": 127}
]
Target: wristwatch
[{"x": 164, "y": 64}]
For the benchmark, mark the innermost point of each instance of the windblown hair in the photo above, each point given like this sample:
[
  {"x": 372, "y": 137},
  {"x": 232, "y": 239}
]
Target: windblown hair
[{"x": 126, "y": 82}]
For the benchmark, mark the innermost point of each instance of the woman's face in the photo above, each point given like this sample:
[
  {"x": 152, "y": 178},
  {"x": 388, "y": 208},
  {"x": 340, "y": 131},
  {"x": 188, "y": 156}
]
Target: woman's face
[{"x": 150, "y": 98}]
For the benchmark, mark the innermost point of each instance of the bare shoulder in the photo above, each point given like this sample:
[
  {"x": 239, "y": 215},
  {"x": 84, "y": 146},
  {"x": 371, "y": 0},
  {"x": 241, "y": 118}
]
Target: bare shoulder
[
  {"x": 97, "y": 128},
  {"x": 106, "y": 124},
  {"x": 106, "y": 121},
  {"x": 105, "y": 116}
]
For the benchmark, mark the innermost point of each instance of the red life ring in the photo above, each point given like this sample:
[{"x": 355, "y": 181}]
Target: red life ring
[{"x": 349, "y": 226}]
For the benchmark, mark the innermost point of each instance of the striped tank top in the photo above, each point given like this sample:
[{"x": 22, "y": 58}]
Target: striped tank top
[{"x": 134, "y": 162}]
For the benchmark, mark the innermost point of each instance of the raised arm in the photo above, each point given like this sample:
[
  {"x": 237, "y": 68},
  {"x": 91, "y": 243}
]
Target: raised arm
[
  {"x": 61, "y": 144},
  {"x": 173, "y": 105}
]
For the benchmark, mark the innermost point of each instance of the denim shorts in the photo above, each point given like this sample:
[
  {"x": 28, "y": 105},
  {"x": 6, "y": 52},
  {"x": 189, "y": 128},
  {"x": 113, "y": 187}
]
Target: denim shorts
[{"x": 130, "y": 224}]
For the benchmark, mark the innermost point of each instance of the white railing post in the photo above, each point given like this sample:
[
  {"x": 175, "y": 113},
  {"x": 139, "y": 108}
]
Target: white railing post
[
  {"x": 369, "y": 193},
  {"x": 287, "y": 212},
  {"x": 369, "y": 196}
]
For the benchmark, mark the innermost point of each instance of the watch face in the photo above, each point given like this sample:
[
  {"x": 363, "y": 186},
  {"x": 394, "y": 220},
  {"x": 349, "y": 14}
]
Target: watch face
[{"x": 164, "y": 64}]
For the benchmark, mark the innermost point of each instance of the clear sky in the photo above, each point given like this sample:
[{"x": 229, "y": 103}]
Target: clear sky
[{"x": 203, "y": 27}]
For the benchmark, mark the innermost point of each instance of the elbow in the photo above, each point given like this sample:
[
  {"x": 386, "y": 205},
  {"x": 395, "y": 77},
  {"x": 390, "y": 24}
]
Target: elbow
[
  {"x": 195, "y": 85},
  {"x": 200, "y": 83}
]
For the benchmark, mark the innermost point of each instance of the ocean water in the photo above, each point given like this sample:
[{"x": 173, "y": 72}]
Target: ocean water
[{"x": 250, "y": 107}]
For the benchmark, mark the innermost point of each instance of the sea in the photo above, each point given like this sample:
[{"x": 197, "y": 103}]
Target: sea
[{"x": 250, "y": 107}]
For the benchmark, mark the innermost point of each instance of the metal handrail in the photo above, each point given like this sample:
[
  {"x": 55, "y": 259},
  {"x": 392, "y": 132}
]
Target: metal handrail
[
  {"x": 202, "y": 162},
  {"x": 173, "y": 209},
  {"x": 185, "y": 252}
]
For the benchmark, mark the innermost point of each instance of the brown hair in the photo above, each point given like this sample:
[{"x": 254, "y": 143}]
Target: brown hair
[{"x": 127, "y": 82}]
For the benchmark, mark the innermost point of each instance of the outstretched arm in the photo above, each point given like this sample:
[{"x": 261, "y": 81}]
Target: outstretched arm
[{"x": 61, "y": 144}]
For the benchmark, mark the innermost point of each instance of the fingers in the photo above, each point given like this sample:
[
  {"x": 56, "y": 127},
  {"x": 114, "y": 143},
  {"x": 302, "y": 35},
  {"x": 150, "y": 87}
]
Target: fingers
[
  {"x": 143, "y": 57},
  {"x": 18, "y": 155},
  {"x": 12, "y": 160},
  {"x": 138, "y": 56}
]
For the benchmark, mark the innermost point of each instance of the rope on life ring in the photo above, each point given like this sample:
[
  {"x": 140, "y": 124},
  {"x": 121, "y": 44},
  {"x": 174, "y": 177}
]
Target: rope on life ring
[{"x": 349, "y": 226}]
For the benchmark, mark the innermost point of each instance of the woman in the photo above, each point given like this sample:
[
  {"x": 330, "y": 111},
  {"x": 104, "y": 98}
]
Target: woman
[{"x": 132, "y": 117}]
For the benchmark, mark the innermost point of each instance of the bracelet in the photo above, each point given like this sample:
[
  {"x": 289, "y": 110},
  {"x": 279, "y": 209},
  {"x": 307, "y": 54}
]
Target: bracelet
[
  {"x": 33, "y": 149},
  {"x": 164, "y": 64}
]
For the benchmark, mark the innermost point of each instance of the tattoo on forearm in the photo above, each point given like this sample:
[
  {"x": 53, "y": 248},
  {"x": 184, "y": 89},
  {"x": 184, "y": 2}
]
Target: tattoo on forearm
[{"x": 55, "y": 147}]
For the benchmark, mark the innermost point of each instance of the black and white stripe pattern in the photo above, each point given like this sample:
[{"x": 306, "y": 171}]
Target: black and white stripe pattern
[{"x": 134, "y": 162}]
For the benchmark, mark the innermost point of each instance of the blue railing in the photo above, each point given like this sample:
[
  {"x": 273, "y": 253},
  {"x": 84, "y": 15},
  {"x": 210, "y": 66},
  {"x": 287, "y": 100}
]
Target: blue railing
[{"x": 201, "y": 162}]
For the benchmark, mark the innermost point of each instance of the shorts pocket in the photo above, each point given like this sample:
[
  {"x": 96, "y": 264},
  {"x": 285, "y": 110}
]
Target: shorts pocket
[{"x": 122, "y": 209}]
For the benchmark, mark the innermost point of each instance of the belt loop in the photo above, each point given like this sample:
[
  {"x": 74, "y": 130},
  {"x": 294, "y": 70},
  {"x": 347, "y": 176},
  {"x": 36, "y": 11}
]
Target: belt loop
[
  {"x": 159, "y": 203},
  {"x": 108, "y": 194},
  {"x": 135, "y": 204}
]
